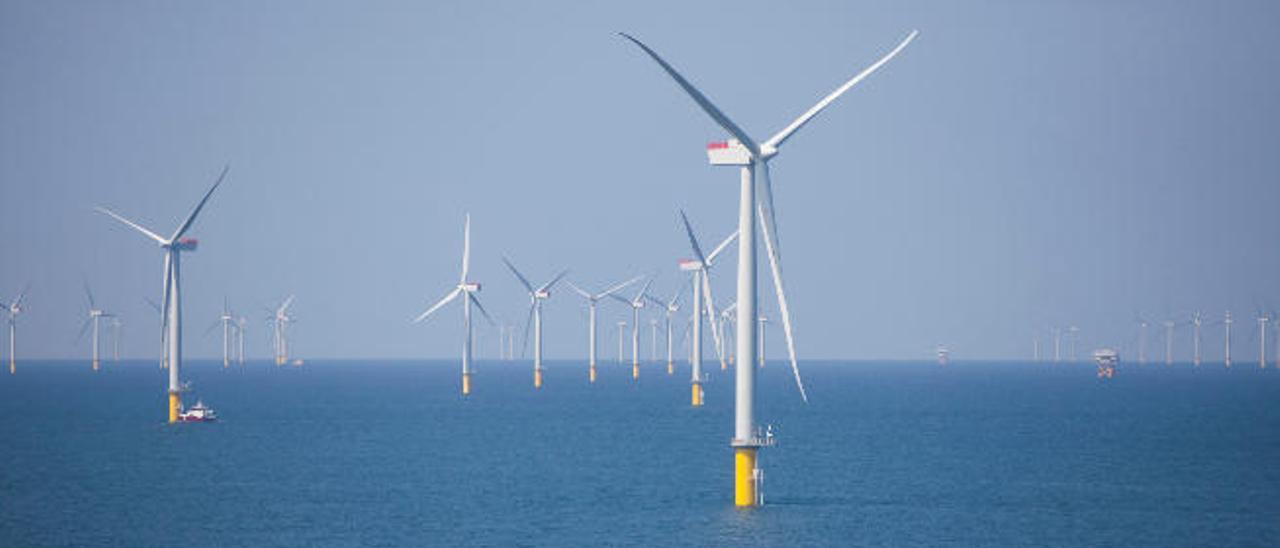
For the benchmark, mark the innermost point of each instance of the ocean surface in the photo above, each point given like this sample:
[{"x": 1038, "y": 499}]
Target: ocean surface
[{"x": 387, "y": 453}]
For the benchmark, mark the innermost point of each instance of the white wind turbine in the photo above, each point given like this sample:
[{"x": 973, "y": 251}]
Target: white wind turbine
[
  {"x": 701, "y": 265},
  {"x": 467, "y": 289},
  {"x": 228, "y": 326},
  {"x": 115, "y": 339},
  {"x": 592, "y": 300},
  {"x": 14, "y": 308},
  {"x": 171, "y": 323},
  {"x": 1195, "y": 322},
  {"x": 671, "y": 306},
  {"x": 1226, "y": 356},
  {"x": 241, "y": 322},
  {"x": 536, "y": 296},
  {"x": 95, "y": 316},
  {"x": 756, "y": 200},
  {"x": 280, "y": 320},
  {"x": 636, "y": 303}
]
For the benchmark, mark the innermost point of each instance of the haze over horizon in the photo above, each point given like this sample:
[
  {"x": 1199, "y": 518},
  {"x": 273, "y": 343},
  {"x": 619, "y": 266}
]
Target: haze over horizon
[{"x": 1017, "y": 167}]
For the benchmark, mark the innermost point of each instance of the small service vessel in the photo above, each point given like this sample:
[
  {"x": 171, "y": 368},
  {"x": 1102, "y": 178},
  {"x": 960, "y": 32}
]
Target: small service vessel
[
  {"x": 198, "y": 413},
  {"x": 1106, "y": 358}
]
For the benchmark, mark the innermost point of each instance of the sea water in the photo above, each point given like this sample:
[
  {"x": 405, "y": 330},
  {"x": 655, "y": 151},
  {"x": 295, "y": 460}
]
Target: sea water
[{"x": 388, "y": 453}]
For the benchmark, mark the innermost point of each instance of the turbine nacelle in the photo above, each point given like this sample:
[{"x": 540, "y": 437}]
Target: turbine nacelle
[
  {"x": 470, "y": 287},
  {"x": 729, "y": 153},
  {"x": 184, "y": 244},
  {"x": 690, "y": 265},
  {"x": 542, "y": 294}
]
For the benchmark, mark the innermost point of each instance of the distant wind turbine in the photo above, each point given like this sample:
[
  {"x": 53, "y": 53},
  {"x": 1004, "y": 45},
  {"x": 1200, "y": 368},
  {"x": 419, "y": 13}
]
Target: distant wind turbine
[
  {"x": 592, "y": 300},
  {"x": 171, "y": 325},
  {"x": 536, "y": 296},
  {"x": 14, "y": 308},
  {"x": 467, "y": 289},
  {"x": 636, "y": 303},
  {"x": 700, "y": 265},
  {"x": 95, "y": 316}
]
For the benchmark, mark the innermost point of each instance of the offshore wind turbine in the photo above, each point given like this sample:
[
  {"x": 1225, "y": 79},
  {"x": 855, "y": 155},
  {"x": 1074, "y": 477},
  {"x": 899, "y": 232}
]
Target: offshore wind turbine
[
  {"x": 280, "y": 320},
  {"x": 1262, "y": 340},
  {"x": 1074, "y": 333},
  {"x": 1168, "y": 342},
  {"x": 592, "y": 300},
  {"x": 636, "y": 303},
  {"x": 536, "y": 296},
  {"x": 467, "y": 289},
  {"x": 227, "y": 321},
  {"x": 14, "y": 308},
  {"x": 171, "y": 323},
  {"x": 1226, "y": 356},
  {"x": 115, "y": 339},
  {"x": 95, "y": 316},
  {"x": 755, "y": 200},
  {"x": 700, "y": 265},
  {"x": 241, "y": 322},
  {"x": 1195, "y": 322},
  {"x": 1057, "y": 344},
  {"x": 671, "y": 306}
]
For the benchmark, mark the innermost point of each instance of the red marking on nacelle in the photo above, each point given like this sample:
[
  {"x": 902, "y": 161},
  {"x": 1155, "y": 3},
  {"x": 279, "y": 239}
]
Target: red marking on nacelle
[
  {"x": 188, "y": 241},
  {"x": 717, "y": 145}
]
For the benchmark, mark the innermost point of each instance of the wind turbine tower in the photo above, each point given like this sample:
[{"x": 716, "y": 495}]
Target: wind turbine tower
[
  {"x": 1195, "y": 323},
  {"x": 760, "y": 340},
  {"x": 536, "y": 296},
  {"x": 467, "y": 289},
  {"x": 1074, "y": 333},
  {"x": 1057, "y": 344},
  {"x": 755, "y": 201},
  {"x": 1262, "y": 341},
  {"x": 171, "y": 328},
  {"x": 1227, "y": 339},
  {"x": 1168, "y": 342},
  {"x": 622, "y": 325}
]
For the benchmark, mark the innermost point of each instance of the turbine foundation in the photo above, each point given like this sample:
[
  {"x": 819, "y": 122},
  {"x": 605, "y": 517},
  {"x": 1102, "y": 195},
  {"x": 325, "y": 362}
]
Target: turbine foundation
[
  {"x": 537, "y": 378},
  {"x": 591, "y": 373},
  {"x": 175, "y": 405},
  {"x": 466, "y": 384},
  {"x": 96, "y": 365},
  {"x": 671, "y": 368},
  {"x": 697, "y": 394},
  {"x": 745, "y": 477},
  {"x": 635, "y": 371}
]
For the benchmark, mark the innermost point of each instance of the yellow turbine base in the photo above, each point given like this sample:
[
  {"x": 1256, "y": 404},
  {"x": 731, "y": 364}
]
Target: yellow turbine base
[
  {"x": 175, "y": 406},
  {"x": 635, "y": 370},
  {"x": 671, "y": 368},
  {"x": 95, "y": 365},
  {"x": 226, "y": 364},
  {"x": 744, "y": 484},
  {"x": 466, "y": 384},
  {"x": 537, "y": 378},
  {"x": 591, "y": 373},
  {"x": 724, "y": 366},
  {"x": 13, "y": 368},
  {"x": 697, "y": 394}
]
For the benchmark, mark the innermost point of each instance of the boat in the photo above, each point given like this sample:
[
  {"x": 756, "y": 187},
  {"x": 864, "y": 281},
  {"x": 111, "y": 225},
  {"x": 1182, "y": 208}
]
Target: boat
[
  {"x": 198, "y": 413},
  {"x": 1106, "y": 358}
]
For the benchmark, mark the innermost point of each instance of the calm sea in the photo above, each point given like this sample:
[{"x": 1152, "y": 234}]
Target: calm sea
[{"x": 378, "y": 453}]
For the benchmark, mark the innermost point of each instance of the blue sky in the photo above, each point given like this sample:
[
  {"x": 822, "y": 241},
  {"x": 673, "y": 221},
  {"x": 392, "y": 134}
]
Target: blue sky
[{"x": 1021, "y": 165}]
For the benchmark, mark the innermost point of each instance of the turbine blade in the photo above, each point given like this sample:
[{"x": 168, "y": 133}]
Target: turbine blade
[
  {"x": 788, "y": 131},
  {"x": 693, "y": 241},
  {"x": 466, "y": 249},
  {"x": 579, "y": 290},
  {"x": 83, "y": 328},
  {"x": 701, "y": 99},
  {"x": 711, "y": 313},
  {"x": 153, "y": 304},
  {"x": 284, "y": 307},
  {"x": 528, "y": 322},
  {"x": 644, "y": 290},
  {"x": 132, "y": 225},
  {"x": 723, "y": 245},
  {"x": 452, "y": 295},
  {"x": 776, "y": 267},
  {"x": 22, "y": 294},
  {"x": 89, "y": 294},
  {"x": 547, "y": 286},
  {"x": 618, "y": 287},
  {"x": 476, "y": 301},
  {"x": 186, "y": 225},
  {"x": 519, "y": 276},
  {"x": 622, "y": 300},
  {"x": 764, "y": 199}
]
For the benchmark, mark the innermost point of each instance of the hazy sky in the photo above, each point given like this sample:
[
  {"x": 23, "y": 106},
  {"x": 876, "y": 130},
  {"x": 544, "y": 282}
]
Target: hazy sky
[{"x": 1021, "y": 165}]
